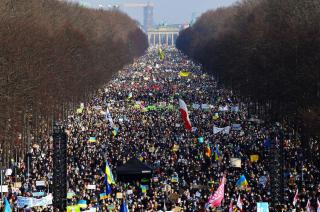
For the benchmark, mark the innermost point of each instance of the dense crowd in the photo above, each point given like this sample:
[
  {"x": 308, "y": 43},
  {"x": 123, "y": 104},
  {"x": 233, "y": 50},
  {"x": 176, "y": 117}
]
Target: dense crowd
[{"x": 143, "y": 102}]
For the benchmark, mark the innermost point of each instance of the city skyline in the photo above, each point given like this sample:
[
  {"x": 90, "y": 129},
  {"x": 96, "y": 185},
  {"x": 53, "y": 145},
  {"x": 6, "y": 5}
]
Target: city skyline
[{"x": 165, "y": 11}]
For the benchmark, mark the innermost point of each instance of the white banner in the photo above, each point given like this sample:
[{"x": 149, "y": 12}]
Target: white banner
[
  {"x": 224, "y": 130},
  {"x": 40, "y": 183},
  {"x": 235, "y": 162},
  {"x": 4, "y": 188},
  {"x": 30, "y": 202},
  {"x": 91, "y": 187},
  {"x": 225, "y": 108}
]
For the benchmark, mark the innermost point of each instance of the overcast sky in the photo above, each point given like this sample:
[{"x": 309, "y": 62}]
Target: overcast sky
[{"x": 169, "y": 11}]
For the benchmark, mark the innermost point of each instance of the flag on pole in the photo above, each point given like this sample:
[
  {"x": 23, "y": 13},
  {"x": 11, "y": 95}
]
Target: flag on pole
[
  {"x": 109, "y": 118},
  {"x": 208, "y": 151},
  {"x": 124, "y": 207},
  {"x": 318, "y": 205},
  {"x": 217, "y": 153},
  {"x": 108, "y": 187},
  {"x": 184, "y": 73},
  {"x": 103, "y": 196},
  {"x": 185, "y": 115},
  {"x": 308, "y": 206},
  {"x": 295, "y": 198},
  {"x": 242, "y": 182},
  {"x": 109, "y": 174},
  {"x": 161, "y": 54},
  {"x": 7, "y": 207},
  {"x": 240, "y": 203},
  {"x": 216, "y": 198}
]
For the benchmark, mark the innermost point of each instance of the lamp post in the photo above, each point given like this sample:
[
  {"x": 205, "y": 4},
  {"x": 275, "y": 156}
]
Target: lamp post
[{"x": 2, "y": 169}]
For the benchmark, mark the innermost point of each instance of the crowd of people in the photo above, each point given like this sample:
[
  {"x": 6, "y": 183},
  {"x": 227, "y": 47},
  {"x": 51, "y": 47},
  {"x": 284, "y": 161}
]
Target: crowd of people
[{"x": 143, "y": 101}]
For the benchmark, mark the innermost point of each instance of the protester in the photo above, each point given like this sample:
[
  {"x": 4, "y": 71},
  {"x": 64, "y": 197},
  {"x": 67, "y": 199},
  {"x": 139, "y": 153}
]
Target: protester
[{"x": 136, "y": 116}]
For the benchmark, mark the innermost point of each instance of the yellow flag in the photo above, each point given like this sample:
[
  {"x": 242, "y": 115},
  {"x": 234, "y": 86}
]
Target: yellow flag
[
  {"x": 254, "y": 158},
  {"x": 184, "y": 73}
]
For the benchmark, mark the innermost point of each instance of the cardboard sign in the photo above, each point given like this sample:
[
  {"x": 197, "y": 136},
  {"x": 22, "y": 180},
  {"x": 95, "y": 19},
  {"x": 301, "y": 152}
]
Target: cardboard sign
[{"x": 235, "y": 162}]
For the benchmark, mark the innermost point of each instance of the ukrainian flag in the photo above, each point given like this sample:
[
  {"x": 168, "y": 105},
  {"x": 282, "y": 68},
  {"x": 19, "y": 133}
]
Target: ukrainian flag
[
  {"x": 92, "y": 140},
  {"x": 82, "y": 204},
  {"x": 109, "y": 174},
  {"x": 242, "y": 182},
  {"x": 103, "y": 196},
  {"x": 115, "y": 132}
]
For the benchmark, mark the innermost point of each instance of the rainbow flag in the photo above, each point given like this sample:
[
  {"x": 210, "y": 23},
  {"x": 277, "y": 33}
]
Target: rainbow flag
[
  {"x": 109, "y": 174},
  {"x": 208, "y": 151},
  {"x": 242, "y": 182}
]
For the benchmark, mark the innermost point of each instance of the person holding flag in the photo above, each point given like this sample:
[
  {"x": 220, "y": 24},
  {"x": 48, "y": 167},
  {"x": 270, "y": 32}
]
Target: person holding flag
[
  {"x": 242, "y": 182},
  {"x": 295, "y": 198},
  {"x": 109, "y": 175},
  {"x": 185, "y": 115},
  {"x": 216, "y": 198},
  {"x": 231, "y": 206},
  {"x": 217, "y": 153},
  {"x": 240, "y": 203},
  {"x": 308, "y": 206}
]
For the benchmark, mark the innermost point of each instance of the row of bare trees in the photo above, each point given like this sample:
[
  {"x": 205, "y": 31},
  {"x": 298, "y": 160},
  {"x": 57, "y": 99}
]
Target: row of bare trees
[
  {"x": 268, "y": 51},
  {"x": 54, "y": 54}
]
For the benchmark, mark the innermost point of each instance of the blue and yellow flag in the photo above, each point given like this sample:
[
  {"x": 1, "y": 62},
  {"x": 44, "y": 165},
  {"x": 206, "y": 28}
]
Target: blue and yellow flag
[
  {"x": 109, "y": 174},
  {"x": 103, "y": 196},
  {"x": 217, "y": 153},
  {"x": 92, "y": 140},
  {"x": 242, "y": 182},
  {"x": 115, "y": 132},
  {"x": 82, "y": 203},
  {"x": 108, "y": 187}
]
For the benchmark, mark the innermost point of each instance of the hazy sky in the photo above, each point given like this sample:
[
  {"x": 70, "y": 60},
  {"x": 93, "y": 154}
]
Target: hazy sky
[{"x": 169, "y": 11}]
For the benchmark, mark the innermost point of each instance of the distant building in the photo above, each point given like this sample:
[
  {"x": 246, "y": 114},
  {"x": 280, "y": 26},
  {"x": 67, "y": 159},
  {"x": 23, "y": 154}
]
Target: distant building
[{"x": 163, "y": 35}]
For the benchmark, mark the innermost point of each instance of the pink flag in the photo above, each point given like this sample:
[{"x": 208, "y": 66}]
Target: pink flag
[
  {"x": 308, "y": 206},
  {"x": 185, "y": 115},
  {"x": 231, "y": 206},
  {"x": 318, "y": 206},
  {"x": 216, "y": 198},
  {"x": 295, "y": 198},
  {"x": 240, "y": 203}
]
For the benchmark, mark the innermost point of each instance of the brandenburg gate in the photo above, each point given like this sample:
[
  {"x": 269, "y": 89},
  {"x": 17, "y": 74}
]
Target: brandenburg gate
[{"x": 163, "y": 36}]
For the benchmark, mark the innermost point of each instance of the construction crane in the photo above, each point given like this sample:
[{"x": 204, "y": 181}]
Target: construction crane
[{"x": 147, "y": 13}]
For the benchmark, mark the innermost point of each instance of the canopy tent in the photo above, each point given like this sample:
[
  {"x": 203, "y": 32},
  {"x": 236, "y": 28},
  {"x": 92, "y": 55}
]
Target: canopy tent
[{"x": 134, "y": 169}]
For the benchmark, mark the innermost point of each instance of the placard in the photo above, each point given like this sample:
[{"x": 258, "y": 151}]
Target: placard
[{"x": 91, "y": 187}]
